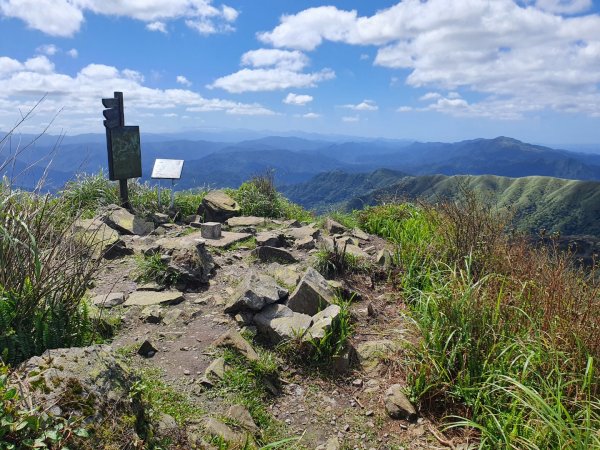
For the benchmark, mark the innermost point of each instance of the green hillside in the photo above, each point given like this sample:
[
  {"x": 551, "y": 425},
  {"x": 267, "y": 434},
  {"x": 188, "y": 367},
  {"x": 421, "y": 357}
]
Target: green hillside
[
  {"x": 568, "y": 206},
  {"x": 555, "y": 204}
]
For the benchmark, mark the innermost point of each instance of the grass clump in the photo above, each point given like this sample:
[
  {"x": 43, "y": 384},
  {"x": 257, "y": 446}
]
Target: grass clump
[
  {"x": 246, "y": 382},
  {"x": 323, "y": 350},
  {"x": 259, "y": 197},
  {"x": 335, "y": 261},
  {"x": 44, "y": 274},
  {"x": 152, "y": 268},
  {"x": 509, "y": 331}
]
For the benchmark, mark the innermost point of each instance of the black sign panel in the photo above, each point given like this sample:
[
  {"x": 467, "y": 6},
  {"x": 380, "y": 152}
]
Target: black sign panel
[{"x": 125, "y": 155}]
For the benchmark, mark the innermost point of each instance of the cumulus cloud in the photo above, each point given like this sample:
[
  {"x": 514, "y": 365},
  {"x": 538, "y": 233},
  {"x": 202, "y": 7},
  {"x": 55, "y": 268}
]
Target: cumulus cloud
[
  {"x": 22, "y": 83},
  {"x": 157, "y": 26},
  {"x": 49, "y": 49},
  {"x": 183, "y": 81},
  {"x": 255, "y": 80},
  {"x": 266, "y": 57},
  {"x": 73, "y": 53},
  {"x": 65, "y": 17},
  {"x": 297, "y": 99},
  {"x": 365, "y": 105},
  {"x": 518, "y": 57}
]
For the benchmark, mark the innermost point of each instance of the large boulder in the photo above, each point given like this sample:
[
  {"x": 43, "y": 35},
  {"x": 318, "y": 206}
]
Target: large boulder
[
  {"x": 312, "y": 294},
  {"x": 189, "y": 258},
  {"x": 217, "y": 206},
  {"x": 279, "y": 323},
  {"x": 302, "y": 233},
  {"x": 271, "y": 239},
  {"x": 254, "y": 293},
  {"x": 124, "y": 222}
]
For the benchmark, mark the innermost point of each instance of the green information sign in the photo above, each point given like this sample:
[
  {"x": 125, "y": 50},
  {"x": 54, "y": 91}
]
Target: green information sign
[{"x": 125, "y": 155}]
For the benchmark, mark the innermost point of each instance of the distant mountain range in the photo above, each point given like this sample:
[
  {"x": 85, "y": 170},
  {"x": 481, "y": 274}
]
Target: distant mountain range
[{"x": 323, "y": 172}]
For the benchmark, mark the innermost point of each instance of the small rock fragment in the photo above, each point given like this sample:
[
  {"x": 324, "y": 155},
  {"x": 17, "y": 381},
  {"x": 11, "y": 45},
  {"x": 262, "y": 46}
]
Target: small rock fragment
[{"x": 397, "y": 404}]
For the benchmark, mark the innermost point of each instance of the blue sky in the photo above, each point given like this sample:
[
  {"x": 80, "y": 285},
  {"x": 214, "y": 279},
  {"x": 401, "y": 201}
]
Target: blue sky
[{"x": 436, "y": 70}]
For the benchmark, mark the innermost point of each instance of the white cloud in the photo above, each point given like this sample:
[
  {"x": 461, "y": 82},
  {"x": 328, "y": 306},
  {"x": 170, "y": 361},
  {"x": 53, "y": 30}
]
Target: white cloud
[
  {"x": 39, "y": 64},
  {"x": 49, "y": 49},
  {"x": 365, "y": 105},
  {"x": 183, "y": 81},
  {"x": 22, "y": 84},
  {"x": 564, "y": 6},
  {"x": 297, "y": 99},
  {"x": 364, "y": 57},
  {"x": 430, "y": 96},
  {"x": 73, "y": 53},
  {"x": 267, "y": 57},
  {"x": 65, "y": 17},
  {"x": 350, "y": 119},
  {"x": 311, "y": 115},
  {"x": 157, "y": 26},
  {"x": 518, "y": 57},
  {"x": 405, "y": 109},
  {"x": 254, "y": 80}
]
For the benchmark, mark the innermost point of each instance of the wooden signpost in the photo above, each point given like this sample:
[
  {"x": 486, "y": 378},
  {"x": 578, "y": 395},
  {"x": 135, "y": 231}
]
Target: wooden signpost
[{"x": 123, "y": 145}]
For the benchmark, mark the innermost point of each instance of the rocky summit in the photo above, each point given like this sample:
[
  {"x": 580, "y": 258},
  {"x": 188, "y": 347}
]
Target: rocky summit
[{"x": 253, "y": 305}]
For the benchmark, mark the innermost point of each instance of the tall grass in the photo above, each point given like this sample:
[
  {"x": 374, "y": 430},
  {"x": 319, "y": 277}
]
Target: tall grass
[
  {"x": 44, "y": 274},
  {"x": 510, "y": 333},
  {"x": 259, "y": 197},
  {"x": 89, "y": 192}
]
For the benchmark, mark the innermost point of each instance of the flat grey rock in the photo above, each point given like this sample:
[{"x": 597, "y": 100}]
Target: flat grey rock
[
  {"x": 273, "y": 254},
  {"x": 147, "y": 298},
  {"x": 108, "y": 300}
]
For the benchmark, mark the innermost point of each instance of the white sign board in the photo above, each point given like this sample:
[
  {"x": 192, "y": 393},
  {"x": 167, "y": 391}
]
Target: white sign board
[{"x": 169, "y": 169}]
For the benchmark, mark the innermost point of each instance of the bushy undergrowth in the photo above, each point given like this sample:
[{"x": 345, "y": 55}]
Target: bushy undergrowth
[
  {"x": 88, "y": 193},
  {"x": 44, "y": 274},
  {"x": 510, "y": 332},
  {"x": 259, "y": 197}
]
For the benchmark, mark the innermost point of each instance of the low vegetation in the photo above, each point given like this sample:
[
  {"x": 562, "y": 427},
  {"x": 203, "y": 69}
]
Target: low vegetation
[
  {"x": 152, "y": 268},
  {"x": 88, "y": 193},
  {"x": 259, "y": 197},
  {"x": 510, "y": 332}
]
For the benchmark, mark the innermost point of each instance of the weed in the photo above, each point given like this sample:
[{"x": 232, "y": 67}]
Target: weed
[
  {"x": 154, "y": 268},
  {"x": 335, "y": 261},
  {"x": 335, "y": 340}
]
